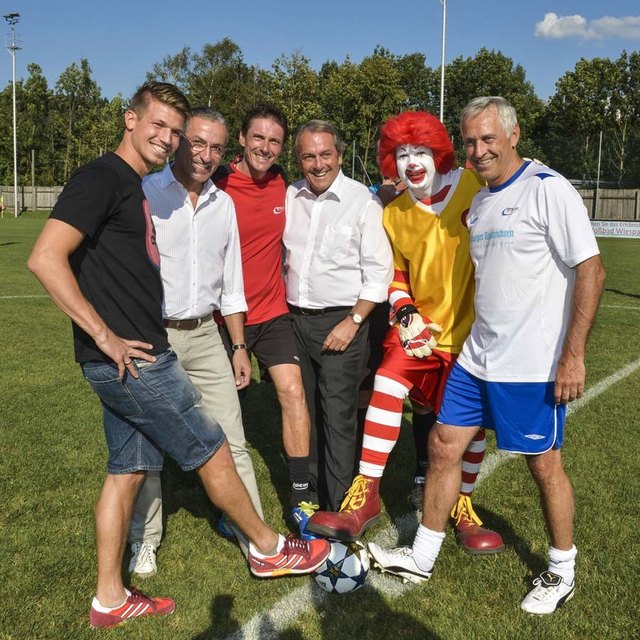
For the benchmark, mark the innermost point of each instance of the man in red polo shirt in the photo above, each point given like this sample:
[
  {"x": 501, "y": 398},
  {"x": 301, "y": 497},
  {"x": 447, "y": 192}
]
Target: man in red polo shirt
[{"x": 257, "y": 187}]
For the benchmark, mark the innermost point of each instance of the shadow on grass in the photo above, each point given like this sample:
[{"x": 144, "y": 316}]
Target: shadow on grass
[
  {"x": 370, "y": 620},
  {"x": 623, "y": 293}
]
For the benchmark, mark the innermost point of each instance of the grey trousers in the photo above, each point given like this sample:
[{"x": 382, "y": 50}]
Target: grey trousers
[
  {"x": 205, "y": 360},
  {"x": 331, "y": 382}
]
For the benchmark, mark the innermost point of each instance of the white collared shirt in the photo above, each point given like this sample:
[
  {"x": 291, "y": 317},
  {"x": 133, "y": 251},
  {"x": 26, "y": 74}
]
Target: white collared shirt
[
  {"x": 200, "y": 261},
  {"x": 336, "y": 249}
]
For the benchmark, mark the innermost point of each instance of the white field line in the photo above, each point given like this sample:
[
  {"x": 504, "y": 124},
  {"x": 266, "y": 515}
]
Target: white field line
[
  {"x": 42, "y": 295},
  {"x": 620, "y": 306},
  {"x": 269, "y": 624}
]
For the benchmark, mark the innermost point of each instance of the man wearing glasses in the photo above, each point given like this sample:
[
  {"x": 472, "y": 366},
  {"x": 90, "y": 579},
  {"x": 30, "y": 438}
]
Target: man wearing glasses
[{"x": 201, "y": 270}]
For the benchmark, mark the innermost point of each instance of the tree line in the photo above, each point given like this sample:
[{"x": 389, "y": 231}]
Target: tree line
[{"x": 592, "y": 119}]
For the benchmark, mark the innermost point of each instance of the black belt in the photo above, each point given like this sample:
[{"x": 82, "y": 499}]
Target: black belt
[
  {"x": 315, "y": 312},
  {"x": 185, "y": 325}
]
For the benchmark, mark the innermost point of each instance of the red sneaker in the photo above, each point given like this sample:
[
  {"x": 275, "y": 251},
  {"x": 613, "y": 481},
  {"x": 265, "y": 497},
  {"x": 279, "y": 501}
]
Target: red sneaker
[
  {"x": 359, "y": 510},
  {"x": 296, "y": 557},
  {"x": 136, "y": 605},
  {"x": 472, "y": 536}
]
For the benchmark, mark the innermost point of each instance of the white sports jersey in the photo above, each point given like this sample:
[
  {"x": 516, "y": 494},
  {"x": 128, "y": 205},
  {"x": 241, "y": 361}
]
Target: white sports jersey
[{"x": 526, "y": 237}]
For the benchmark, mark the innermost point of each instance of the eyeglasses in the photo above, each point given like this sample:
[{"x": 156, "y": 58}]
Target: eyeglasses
[{"x": 197, "y": 146}]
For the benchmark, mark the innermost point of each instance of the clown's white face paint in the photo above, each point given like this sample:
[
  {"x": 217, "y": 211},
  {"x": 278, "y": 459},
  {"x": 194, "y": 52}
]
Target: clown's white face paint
[{"x": 416, "y": 168}]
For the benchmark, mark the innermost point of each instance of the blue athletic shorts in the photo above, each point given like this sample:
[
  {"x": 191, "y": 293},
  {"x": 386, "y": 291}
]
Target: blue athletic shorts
[{"x": 523, "y": 415}]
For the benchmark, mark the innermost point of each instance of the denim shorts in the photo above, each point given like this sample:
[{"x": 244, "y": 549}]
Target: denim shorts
[{"x": 159, "y": 412}]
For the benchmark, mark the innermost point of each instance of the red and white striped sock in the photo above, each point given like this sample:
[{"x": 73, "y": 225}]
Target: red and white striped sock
[
  {"x": 382, "y": 424},
  {"x": 471, "y": 461}
]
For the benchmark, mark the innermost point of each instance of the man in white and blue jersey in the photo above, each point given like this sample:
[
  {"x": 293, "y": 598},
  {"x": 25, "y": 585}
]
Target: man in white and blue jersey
[{"x": 538, "y": 280}]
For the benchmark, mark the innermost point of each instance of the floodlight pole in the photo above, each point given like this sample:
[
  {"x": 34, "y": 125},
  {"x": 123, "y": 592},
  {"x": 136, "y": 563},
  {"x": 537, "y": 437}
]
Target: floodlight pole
[
  {"x": 444, "y": 37},
  {"x": 12, "y": 47}
]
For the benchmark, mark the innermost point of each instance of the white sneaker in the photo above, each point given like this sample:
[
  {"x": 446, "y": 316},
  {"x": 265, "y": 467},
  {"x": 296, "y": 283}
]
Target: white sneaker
[
  {"x": 549, "y": 592},
  {"x": 399, "y": 562},
  {"x": 143, "y": 560}
]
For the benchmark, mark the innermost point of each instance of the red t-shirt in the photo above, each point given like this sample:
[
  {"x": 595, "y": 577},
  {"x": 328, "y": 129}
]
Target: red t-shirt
[{"x": 261, "y": 219}]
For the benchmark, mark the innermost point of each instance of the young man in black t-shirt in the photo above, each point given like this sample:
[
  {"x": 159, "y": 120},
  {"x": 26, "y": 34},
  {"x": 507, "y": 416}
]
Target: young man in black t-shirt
[{"x": 97, "y": 258}]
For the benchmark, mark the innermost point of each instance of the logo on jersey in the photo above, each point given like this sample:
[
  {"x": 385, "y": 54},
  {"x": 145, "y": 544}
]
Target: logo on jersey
[
  {"x": 510, "y": 210},
  {"x": 278, "y": 210}
]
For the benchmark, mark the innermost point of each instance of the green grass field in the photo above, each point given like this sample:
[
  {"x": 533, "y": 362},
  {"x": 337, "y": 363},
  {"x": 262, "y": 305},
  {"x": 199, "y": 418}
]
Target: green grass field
[{"x": 52, "y": 464}]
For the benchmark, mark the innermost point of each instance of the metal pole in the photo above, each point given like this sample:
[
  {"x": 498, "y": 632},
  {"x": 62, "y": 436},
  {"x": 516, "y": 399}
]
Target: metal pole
[
  {"x": 595, "y": 206},
  {"x": 444, "y": 35},
  {"x": 13, "y": 19},
  {"x": 15, "y": 142},
  {"x": 353, "y": 161}
]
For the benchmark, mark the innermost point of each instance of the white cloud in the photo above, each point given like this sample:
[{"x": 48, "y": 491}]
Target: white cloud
[{"x": 555, "y": 27}]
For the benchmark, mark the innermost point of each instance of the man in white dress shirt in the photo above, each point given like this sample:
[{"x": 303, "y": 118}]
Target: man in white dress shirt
[
  {"x": 338, "y": 267},
  {"x": 201, "y": 270}
]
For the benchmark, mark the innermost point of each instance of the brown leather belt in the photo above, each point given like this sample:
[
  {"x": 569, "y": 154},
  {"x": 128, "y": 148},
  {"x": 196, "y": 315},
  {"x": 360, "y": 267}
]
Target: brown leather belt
[
  {"x": 315, "y": 312},
  {"x": 185, "y": 325}
]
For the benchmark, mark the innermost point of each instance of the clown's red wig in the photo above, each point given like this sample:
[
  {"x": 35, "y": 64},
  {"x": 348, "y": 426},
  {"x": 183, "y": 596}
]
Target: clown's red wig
[{"x": 418, "y": 128}]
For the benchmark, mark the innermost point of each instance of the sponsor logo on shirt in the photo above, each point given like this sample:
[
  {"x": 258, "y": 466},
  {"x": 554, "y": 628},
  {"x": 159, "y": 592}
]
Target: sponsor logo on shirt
[
  {"x": 278, "y": 210},
  {"x": 510, "y": 210},
  {"x": 492, "y": 235}
]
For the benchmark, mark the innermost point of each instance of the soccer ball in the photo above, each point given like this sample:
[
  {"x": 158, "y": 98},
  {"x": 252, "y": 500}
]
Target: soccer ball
[{"x": 345, "y": 569}]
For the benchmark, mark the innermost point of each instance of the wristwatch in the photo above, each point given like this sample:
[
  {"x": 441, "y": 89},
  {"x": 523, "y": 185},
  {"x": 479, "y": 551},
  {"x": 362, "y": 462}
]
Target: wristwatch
[{"x": 357, "y": 318}]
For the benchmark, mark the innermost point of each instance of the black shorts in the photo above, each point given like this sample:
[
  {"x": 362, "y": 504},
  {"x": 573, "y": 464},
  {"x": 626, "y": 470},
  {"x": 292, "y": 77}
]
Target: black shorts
[{"x": 272, "y": 342}]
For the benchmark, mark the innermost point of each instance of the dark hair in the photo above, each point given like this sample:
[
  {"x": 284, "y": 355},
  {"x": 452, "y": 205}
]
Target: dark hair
[
  {"x": 269, "y": 111},
  {"x": 164, "y": 92},
  {"x": 320, "y": 126}
]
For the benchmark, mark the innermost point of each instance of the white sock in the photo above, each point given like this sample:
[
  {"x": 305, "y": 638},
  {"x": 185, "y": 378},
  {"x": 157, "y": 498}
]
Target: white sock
[
  {"x": 563, "y": 563},
  {"x": 426, "y": 547},
  {"x": 254, "y": 552},
  {"x": 95, "y": 604}
]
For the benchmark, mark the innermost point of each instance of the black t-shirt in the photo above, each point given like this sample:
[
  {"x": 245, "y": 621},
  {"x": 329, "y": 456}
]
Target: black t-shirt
[{"x": 117, "y": 264}]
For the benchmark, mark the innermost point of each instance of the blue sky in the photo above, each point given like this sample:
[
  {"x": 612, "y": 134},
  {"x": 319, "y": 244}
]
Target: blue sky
[{"x": 123, "y": 39}]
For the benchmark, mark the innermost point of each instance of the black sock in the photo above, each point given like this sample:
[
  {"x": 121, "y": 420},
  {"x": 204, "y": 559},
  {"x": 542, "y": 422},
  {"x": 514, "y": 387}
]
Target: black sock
[
  {"x": 299, "y": 477},
  {"x": 421, "y": 425}
]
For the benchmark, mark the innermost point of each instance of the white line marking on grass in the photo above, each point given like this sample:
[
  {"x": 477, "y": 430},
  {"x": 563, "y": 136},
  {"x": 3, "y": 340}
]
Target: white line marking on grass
[
  {"x": 494, "y": 460},
  {"x": 284, "y": 613},
  {"x": 620, "y": 306},
  {"x": 44, "y": 295}
]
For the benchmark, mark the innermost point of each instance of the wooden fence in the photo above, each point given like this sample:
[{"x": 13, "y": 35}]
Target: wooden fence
[
  {"x": 612, "y": 204},
  {"x": 30, "y": 199}
]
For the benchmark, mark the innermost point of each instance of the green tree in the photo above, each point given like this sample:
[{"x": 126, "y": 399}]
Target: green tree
[
  {"x": 293, "y": 86},
  {"x": 599, "y": 95},
  {"x": 420, "y": 83},
  {"x": 176, "y": 69},
  {"x": 490, "y": 73},
  {"x": 357, "y": 99},
  {"x": 35, "y": 130},
  {"x": 77, "y": 103}
]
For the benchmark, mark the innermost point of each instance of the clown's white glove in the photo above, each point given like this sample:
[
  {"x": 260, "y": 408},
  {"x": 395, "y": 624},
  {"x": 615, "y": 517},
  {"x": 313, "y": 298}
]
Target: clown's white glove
[{"x": 416, "y": 335}]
